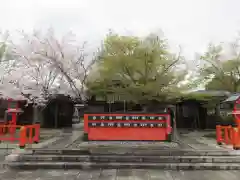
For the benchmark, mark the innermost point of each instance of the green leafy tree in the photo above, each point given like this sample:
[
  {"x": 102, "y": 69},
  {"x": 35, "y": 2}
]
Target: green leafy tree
[
  {"x": 2, "y": 51},
  {"x": 215, "y": 84},
  {"x": 135, "y": 69},
  {"x": 219, "y": 68},
  {"x": 5, "y": 54}
]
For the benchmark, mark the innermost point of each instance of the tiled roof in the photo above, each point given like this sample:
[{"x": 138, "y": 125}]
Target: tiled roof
[
  {"x": 213, "y": 93},
  {"x": 233, "y": 97}
]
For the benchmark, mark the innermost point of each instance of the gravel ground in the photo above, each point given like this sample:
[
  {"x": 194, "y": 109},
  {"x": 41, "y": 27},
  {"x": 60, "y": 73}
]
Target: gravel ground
[
  {"x": 188, "y": 140},
  {"x": 3, "y": 153},
  {"x": 79, "y": 143},
  {"x": 117, "y": 174}
]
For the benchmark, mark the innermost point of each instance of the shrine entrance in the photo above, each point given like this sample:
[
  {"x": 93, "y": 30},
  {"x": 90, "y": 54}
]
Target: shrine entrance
[
  {"x": 190, "y": 115},
  {"x": 58, "y": 113}
]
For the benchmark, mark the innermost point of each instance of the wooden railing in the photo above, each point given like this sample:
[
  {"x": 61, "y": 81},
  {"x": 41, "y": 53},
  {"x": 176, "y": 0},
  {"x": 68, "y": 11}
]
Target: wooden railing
[
  {"x": 28, "y": 134},
  {"x": 228, "y": 135}
]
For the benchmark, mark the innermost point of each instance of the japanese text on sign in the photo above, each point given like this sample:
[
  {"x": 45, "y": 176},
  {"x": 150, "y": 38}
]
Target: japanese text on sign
[
  {"x": 141, "y": 117},
  {"x": 123, "y": 125}
]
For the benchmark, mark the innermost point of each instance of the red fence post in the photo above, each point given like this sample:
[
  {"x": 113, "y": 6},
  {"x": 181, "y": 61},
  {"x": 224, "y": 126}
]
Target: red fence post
[
  {"x": 37, "y": 133},
  {"x": 5, "y": 129},
  {"x": 230, "y": 131},
  {"x": 226, "y": 137},
  {"x": 14, "y": 122},
  {"x": 12, "y": 128},
  {"x": 30, "y": 135},
  {"x": 236, "y": 139},
  {"x": 2, "y": 129},
  {"x": 22, "y": 137},
  {"x": 219, "y": 134}
]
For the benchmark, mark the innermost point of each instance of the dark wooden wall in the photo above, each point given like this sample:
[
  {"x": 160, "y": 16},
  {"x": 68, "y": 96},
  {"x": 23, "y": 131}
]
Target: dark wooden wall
[
  {"x": 58, "y": 113},
  {"x": 191, "y": 114},
  {"x": 186, "y": 112}
]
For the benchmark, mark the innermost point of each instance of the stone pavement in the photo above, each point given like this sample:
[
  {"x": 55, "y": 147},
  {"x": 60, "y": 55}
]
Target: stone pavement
[
  {"x": 192, "y": 140},
  {"x": 3, "y": 153},
  {"x": 196, "y": 140},
  {"x": 47, "y": 137},
  {"x": 72, "y": 139},
  {"x": 118, "y": 174},
  {"x": 60, "y": 139},
  {"x": 188, "y": 140}
]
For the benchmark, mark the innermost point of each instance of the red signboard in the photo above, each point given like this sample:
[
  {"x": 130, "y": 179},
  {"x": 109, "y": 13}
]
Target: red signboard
[{"x": 138, "y": 127}]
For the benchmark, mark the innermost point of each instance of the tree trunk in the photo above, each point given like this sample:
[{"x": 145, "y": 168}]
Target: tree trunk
[
  {"x": 35, "y": 115},
  {"x": 235, "y": 87},
  {"x": 56, "y": 116},
  {"x": 174, "y": 126}
]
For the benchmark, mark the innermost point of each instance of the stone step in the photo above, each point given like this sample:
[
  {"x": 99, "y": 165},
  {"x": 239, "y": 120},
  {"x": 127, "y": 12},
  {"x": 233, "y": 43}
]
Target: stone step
[
  {"x": 58, "y": 152},
  {"x": 129, "y": 158},
  {"x": 132, "y": 151},
  {"x": 126, "y": 165}
]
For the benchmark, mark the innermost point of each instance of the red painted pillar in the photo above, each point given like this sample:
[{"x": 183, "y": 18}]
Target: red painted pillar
[
  {"x": 238, "y": 122},
  {"x": 236, "y": 112},
  {"x": 9, "y": 107},
  {"x": 13, "y": 115},
  {"x": 22, "y": 137},
  {"x": 37, "y": 133},
  {"x": 12, "y": 128},
  {"x": 219, "y": 134},
  {"x": 14, "y": 118},
  {"x": 9, "y": 102},
  {"x": 226, "y": 137},
  {"x": 230, "y": 131},
  {"x": 236, "y": 138}
]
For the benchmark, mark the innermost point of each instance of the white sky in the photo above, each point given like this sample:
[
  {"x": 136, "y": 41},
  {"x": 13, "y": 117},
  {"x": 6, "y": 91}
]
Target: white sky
[{"x": 189, "y": 23}]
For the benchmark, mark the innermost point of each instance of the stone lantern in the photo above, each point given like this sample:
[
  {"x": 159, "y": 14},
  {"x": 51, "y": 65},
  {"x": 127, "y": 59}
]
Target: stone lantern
[{"x": 76, "y": 122}]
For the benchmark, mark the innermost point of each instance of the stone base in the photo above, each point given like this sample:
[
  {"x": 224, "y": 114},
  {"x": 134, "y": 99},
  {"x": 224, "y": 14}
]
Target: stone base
[
  {"x": 128, "y": 159},
  {"x": 132, "y": 151},
  {"x": 77, "y": 125},
  {"x": 85, "y": 137},
  {"x": 84, "y": 165}
]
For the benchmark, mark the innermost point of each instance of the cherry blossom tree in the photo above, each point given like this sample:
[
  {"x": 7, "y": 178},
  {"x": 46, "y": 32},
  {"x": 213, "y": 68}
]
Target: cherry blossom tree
[
  {"x": 7, "y": 89},
  {"x": 55, "y": 65},
  {"x": 42, "y": 65}
]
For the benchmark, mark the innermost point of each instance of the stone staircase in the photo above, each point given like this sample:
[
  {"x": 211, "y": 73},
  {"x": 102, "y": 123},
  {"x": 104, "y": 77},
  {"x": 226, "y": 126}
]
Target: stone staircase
[{"x": 137, "y": 159}]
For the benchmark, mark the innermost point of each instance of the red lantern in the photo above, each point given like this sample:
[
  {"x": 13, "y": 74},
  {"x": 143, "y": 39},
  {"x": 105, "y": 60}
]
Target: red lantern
[{"x": 13, "y": 110}]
